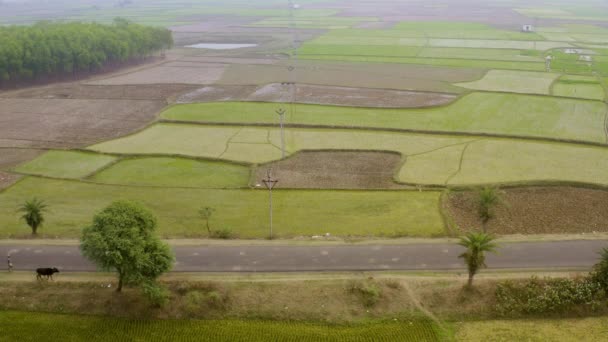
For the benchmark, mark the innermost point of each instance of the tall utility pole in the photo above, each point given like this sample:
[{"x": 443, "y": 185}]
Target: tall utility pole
[
  {"x": 281, "y": 113},
  {"x": 270, "y": 184}
]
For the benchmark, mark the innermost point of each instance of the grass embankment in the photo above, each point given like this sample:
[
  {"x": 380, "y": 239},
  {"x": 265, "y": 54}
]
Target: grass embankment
[
  {"x": 356, "y": 307},
  {"x": 72, "y": 204},
  {"x": 490, "y": 113}
]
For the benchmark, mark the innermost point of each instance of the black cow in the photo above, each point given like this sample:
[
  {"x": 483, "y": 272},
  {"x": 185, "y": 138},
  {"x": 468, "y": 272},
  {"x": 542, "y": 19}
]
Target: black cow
[{"x": 46, "y": 272}]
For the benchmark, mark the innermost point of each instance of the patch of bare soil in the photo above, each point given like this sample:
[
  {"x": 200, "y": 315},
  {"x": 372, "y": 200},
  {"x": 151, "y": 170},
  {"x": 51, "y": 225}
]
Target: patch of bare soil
[
  {"x": 345, "y": 96},
  {"x": 314, "y": 94},
  {"x": 535, "y": 210},
  {"x": 334, "y": 170},
  {"x": 167, "y": 74},
  {"x": 213, "y": 93},
  {"x": 58, "y": 123},
  {"x": 120, "y": 92},
  {"x": 354, "y": 75},
  {"x": 7, "y": 179},
  {"x": 11, "y": 157}
]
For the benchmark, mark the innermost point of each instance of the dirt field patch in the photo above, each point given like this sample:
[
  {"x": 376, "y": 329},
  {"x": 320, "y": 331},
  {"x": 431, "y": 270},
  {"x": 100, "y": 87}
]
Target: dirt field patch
[
  {"x": 10, "y": 157},
  {"x": 117, "y": 92},
  {"x": 214, "y": 93},
  {"x": 62, "y": 123},
  {"x": 203, "y": 73},
  {"x": 314, "y": 94},
  {"x": 346, "y": 96},
  {"x": 355, "y": 75},
  {"x": 334, "y": 170},
  {"x": 7, "y": 179},
  {"x": 542, "y": 210}
]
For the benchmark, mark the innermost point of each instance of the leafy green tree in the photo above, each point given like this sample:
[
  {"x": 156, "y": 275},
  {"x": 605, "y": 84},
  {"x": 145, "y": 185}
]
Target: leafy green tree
[
  {"x": 488, "y": 199},
  {"x": 206, "y": 214},
  {"x": 477, "y": 244},
  {"x": 33, "y": 213},
  {"x": 122, "y": 238},
  {"x": 600, "y": 270}
]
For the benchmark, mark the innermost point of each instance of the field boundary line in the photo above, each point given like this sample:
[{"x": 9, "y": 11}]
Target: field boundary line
[{"x": 464, "y": 150}]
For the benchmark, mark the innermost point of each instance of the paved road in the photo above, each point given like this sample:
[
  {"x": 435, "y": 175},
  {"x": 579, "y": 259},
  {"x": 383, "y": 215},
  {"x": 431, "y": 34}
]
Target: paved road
[{"x": 441, "y": 256}]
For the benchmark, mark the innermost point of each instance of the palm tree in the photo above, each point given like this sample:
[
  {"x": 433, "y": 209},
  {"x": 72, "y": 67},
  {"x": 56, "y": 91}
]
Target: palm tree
[
  {"x": 476, "y": 244},
  {"x": 205, "y": 214},
  {"x": 488, "y": 198},
  {"x": 33, "y": 211}
]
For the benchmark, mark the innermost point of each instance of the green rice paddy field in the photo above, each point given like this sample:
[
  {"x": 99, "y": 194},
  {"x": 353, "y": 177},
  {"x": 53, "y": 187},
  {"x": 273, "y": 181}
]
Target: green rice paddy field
[
  {"x": 492, "y": 113},
  {"x": 27, "y": 326},
  {"x": 20, "y": 326}
]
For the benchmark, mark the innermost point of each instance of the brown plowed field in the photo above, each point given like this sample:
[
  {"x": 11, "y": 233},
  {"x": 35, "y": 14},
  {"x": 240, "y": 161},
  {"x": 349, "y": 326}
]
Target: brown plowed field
[
  {"x": 10, "y": 157},
  {"x": 7, "y": 179},
  {"x": 165, "y": 74},
  {"x": 314, "y": 94},
  {"x": 82, "y": 91},
  {"x": 72, "y": 123},
  {"x": 535, "y": 210},
  {"x": 334, "y": 170},
  {"x": 354, "y": 75}
]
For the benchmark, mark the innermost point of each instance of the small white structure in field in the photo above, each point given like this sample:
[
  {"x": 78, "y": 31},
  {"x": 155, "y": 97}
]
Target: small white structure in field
[
  {"x": 548, "y": 60},
  {"x": 586, "y": 58},
  {"x": 527, "y": 28}
]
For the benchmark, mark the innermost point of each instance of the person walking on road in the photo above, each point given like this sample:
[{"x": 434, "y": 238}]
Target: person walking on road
[{"x": 10, "y": 264}]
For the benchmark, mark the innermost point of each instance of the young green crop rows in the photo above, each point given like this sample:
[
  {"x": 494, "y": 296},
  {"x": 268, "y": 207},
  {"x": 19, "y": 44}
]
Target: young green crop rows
[{"x": 21, "y": 326}]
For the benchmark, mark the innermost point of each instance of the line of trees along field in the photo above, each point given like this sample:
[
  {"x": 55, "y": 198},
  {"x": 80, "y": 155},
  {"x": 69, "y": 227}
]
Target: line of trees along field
[{"x": 48, "y": 49}]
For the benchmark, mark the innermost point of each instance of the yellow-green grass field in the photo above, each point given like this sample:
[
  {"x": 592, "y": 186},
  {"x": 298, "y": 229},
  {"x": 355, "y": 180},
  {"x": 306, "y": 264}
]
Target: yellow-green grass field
[
  {"x": 490, "y": 113},
  {"x": 579, "y": 86},
  {"x": 514, "y": 81},
  {"x": 65, "y": 164},
  {"x": 483, "y": 161},
  {"x": 72, "y": 205},
  {"x": 435, "y": 61},
  {"x": 175, "y": 172},
  {"x": 451, "y": 44},
  {"x": 533, "y": 330}
]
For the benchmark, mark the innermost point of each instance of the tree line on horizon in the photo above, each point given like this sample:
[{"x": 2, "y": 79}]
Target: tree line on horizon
[{"x": 48, "y": 49}]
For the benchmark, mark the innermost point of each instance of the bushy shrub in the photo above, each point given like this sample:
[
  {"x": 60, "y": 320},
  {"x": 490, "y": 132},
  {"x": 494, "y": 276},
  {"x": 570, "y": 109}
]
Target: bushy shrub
[
  {"x": 547, "y": 296},
  {"x": 600, "y": 271},
  {"x": 368, "y": 291},
  {"x": 156, "y": 294},
  {"x": 195, "y": 301},
  {"x": 224, "y": 234}
]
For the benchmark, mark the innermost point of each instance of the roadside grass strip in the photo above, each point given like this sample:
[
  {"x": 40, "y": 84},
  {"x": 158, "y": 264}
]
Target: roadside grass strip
[
  {"x": 72, "y": 204},
  {"x": 30, "y": 326},
  {"x": 65, "y": 164},
  {"x": 489, "y": 113},
  {"x": 175, "y": 172},
  {"x": 514, "y": 82},
  {"x": 585, "y": 329}
]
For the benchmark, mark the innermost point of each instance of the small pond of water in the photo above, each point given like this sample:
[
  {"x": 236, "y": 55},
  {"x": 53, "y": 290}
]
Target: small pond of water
[{"x": 215, "y": 46}]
